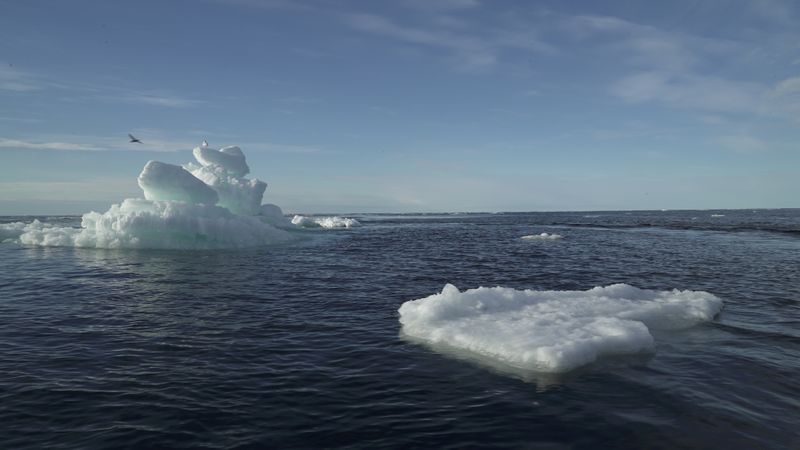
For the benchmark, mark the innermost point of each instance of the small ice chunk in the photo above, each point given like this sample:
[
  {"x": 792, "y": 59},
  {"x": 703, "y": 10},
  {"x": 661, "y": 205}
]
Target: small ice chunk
[
  {"x": 162, "y": 181},
  {"x": 551, "y": 331}
]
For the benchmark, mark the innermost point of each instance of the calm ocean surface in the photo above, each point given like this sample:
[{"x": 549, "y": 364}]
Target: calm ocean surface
[{"x": 299, "y": 346}]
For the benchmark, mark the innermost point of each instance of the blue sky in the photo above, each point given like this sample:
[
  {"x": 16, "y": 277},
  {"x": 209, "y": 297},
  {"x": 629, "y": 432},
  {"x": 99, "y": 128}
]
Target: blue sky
[{"x": 407, "y": 105}]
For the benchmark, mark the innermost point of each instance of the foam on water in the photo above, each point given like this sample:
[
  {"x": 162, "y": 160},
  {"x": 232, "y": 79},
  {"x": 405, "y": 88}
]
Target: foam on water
[
  {"x": 551, "y": 331},
  {"x": 325, "y": 222},
  {"x": 543, "y": 236}
]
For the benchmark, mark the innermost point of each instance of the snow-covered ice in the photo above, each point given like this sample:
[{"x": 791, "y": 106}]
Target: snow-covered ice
[{"x": 551, "y": 331}]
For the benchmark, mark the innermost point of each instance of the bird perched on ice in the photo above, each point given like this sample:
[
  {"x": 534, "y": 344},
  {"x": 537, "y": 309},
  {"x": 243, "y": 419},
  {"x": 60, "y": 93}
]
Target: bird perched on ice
[
  {"x": 133, "y": 139},
  {"x": 205, "y": 144}
]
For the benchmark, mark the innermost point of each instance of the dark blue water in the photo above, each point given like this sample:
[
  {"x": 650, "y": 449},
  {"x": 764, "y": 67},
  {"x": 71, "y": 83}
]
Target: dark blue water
[{"x": 298, "y": 346}]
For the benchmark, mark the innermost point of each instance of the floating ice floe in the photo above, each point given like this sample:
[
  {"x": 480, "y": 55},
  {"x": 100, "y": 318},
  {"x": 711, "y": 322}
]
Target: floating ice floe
[
  {"x": 204, "y": 205},
  {"x": 543, "y": 236},
  {"x": 325, "y": 222},
  {"x": 551, "y": 331}
]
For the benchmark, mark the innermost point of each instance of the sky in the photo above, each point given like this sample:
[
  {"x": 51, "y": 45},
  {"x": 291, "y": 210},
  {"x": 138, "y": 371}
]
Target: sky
[{"x": 407, "y": 105}]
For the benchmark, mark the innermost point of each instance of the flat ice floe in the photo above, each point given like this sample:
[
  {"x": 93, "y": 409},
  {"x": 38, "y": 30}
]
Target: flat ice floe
[
  {"x": 542, "y": 237},
  {"x": 325, "y": 222},
  {"x": 551, "y": 331}
]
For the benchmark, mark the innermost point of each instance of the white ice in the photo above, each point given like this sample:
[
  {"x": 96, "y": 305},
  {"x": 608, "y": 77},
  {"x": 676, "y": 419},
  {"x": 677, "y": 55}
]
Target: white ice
[
  {"x": 551, "y": 331},
  {"x": 325, "y": 222},
  {"x": 137, "y": 223},
  {"x": 543, "y": 236},
  {"x": 210, "y": 205},
  {"x": 230, "y": 159},
  {"x": 161, "y": 181}
]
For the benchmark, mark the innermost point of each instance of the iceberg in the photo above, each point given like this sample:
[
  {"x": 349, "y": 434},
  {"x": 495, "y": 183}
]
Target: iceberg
[
  {"x": 551, "y": 331},
  {"x": 204, "y": 205}
]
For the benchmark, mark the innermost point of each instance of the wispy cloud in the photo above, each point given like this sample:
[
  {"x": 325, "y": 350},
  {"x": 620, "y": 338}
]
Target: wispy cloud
[
  {"x": 12, "y": 79},
  {"x": 645, "y": 45},
  {"x": 152, "y": 141},
  {"x": 471, "y": 49},
  {"x": 742, "y": 143},
  {"x": 712, "y": 94},
  {"x": 52, "y": 145},
  {"x": 783, "y": 99},
  {"x": 689, "y": 91},
  {"x": 680, "y": 70},
  {"x": 15, "y": 80},
  {"x": 441, "y": 5},
  {"x": 155, "y": 99},
  {"x": 100, "y": 189}
]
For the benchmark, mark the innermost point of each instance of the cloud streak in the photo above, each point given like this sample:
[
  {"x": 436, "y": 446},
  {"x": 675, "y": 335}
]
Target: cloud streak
[
  {"x": 471, "y": 50},
  {"x": 26, "y": 82},
  {"x": 152, "y": 141}
]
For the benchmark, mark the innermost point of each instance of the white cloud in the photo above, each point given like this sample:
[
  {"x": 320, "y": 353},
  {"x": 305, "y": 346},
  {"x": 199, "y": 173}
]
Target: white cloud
[
  {"x": 690, "y": 91},
  {"x": 152, "y": 141},
  {"x": 783, "y": 99},
  {"x": 712, "y": 94},
  {"x": 19, "y": 144},
  {"x": 12, "y": 79},
  {"x": 102, "y": 189},
  {"x": 165, "y": 100},
  {"x": 441, "y": 5},
  {"x": 742, "y": 143},
  {"x": 471, "y": 49},
  {"x": 15, "y": 80},
  {"x": 648, "y": 46}
]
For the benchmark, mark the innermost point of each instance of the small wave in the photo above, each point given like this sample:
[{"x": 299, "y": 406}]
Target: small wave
[
  {"x": 542, "y": 237},
  {"x": 325, "y": 222}
]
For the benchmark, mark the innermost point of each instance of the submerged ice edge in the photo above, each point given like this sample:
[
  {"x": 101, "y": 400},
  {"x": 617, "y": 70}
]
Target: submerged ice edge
[
  {"x": 209, "y": 204},
  {"x": 551, "y": 331}
]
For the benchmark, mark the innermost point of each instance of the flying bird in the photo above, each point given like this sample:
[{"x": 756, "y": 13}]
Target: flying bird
[
  {"x": 205, "y": 143},
  {"x": 133, "y": 139}
]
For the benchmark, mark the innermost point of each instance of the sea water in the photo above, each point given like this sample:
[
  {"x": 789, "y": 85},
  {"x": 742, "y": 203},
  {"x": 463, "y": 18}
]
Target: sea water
[{"x": 300, "y": 344}]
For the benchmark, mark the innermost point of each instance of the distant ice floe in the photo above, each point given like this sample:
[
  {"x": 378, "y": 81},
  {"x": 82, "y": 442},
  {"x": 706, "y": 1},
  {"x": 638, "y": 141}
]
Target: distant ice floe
[
  {"x": 551, "y": 331},
  {"x": 542, "y": 236},
  {"x": 324, "y": 222},
  {"x": 204, "y": 205}
]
